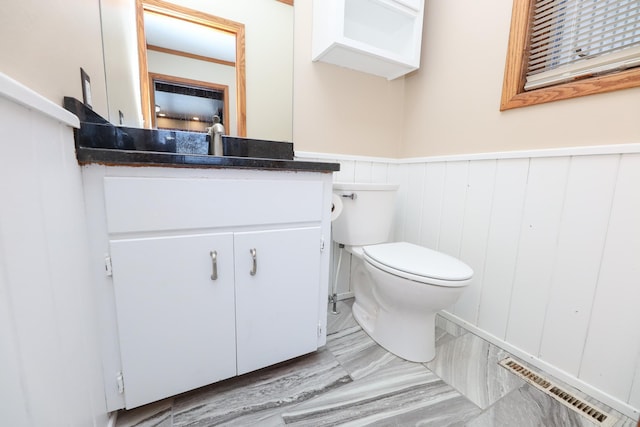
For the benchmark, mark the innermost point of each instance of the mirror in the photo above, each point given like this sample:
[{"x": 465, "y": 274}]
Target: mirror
[
  {"x": 176, "y": 45},
  {"x": 268, "y": 63}
]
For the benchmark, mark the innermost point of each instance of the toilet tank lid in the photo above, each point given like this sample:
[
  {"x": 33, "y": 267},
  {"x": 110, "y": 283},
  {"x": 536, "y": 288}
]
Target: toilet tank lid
[
  {"x": 364, "y": 186},
  {"x": 420, "y": 261}
]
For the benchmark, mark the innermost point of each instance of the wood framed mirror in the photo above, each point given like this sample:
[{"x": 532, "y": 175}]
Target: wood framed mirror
[{"x": 197, "y": 18}]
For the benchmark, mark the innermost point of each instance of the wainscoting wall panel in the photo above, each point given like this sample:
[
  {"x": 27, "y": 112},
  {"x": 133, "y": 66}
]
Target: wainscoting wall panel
[
  {"x": 431, "y": 215},
  {"x": 502, "y": 246},
  {"x": 554, "y": 240},
  {"x": 536, "y": 252},
  {"x": 477, "y": 216},
  {"x": 51, "y": 364},
  {"x": 577, "y": 262},
  {"x": 612, "y": 346}
]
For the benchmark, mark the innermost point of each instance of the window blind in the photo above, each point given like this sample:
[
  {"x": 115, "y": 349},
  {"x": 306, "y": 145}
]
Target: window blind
[{"x": 573, "y": 39}]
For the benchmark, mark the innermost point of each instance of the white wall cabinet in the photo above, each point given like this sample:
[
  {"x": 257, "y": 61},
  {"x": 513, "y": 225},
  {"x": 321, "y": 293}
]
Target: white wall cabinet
[
  {"x": 176, "y": 316},
  {"x": 381, "y": 37}
]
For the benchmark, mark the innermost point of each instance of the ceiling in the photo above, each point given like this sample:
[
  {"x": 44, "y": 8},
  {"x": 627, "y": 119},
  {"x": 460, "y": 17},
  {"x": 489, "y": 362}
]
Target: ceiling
[{"x": 184, "y": 36}]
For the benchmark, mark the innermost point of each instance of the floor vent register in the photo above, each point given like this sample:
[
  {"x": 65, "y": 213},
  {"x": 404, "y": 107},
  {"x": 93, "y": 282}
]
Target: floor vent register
[{"x": 593, "y": 413}]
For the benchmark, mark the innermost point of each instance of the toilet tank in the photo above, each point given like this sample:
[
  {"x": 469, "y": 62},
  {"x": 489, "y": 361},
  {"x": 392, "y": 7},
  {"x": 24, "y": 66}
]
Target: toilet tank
[{"x": 367, "y": 213}]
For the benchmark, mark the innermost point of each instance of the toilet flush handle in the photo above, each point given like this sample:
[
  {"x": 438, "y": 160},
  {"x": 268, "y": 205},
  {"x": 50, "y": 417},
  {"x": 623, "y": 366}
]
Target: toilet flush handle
[{"x": 351, "y": 196}]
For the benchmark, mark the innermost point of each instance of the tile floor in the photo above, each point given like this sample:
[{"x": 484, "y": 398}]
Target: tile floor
[{"x": 352, "y": 381}]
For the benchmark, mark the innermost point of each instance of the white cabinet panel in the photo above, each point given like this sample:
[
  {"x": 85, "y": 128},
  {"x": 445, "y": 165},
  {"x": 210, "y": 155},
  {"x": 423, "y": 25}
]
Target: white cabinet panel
[
  {"x": 477, "y": 214},
  {"x": 168, "y": 203},
  {"x": 502, "y": 245},
  {"x": 276, "y": 308},
  {"x": 613, "y": 344},
  {"x": 536, "y": 252},
  {"x": 580, "y": 244},
  {"x": 176, "y": 324}
]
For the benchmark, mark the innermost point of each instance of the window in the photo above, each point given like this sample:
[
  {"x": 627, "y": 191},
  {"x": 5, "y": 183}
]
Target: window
[{"x": 561, "y": 49}]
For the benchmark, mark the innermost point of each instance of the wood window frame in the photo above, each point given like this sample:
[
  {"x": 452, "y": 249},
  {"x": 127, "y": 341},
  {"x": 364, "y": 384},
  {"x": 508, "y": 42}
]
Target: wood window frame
[
  {"x": 513, "y": 93},
  {"x": 179, "y": 12}
]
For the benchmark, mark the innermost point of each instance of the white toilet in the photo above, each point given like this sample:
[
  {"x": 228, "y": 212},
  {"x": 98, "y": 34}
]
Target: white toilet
[{"x": 399, "y": 287}]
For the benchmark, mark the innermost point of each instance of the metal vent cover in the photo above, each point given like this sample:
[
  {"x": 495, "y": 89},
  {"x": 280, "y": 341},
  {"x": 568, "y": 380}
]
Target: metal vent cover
[{"x": 592, "y": 412}]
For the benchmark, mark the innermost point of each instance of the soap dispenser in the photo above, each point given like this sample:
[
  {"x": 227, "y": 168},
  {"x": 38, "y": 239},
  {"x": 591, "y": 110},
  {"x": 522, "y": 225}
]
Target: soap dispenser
[{"x": 215, "y": 137}]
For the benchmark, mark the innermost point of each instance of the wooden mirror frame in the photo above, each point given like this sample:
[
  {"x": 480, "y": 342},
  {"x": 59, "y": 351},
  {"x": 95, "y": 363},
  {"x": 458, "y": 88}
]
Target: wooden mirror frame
[{"x": 197, "y": 17}]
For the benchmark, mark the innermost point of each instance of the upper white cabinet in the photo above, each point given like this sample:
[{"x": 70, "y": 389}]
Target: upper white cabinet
[{"x": 381, "y": 37}]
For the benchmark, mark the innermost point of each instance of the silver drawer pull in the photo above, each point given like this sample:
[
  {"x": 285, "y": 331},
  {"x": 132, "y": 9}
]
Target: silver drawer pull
[
  {"x": 214, "y": 262},
  {"x": 254, "y": 267}
]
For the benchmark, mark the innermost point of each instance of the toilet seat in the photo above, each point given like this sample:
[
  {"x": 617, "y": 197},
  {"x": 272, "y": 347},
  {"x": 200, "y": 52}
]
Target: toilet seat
[{"x": 418, "y": 263}]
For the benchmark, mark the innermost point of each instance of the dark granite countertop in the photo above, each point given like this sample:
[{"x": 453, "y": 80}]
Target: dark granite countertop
[{"x": 98, "y": 141}]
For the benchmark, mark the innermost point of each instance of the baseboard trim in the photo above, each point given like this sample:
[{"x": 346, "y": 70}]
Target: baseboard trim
[{"x": 590, "y": 390}]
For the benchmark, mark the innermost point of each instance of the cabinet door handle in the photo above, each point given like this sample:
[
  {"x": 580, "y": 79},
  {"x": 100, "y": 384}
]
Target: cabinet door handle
[
  {"x": 254, "y": 267},
  {"x": 214, "y": 265}
]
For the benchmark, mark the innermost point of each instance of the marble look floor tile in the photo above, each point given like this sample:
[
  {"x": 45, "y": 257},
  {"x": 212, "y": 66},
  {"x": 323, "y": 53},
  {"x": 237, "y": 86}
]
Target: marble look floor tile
[
  {"x": 470, "y": 364},
  {"x": 527, "y": 406},
  {"x": 443, "y": 337},
  {"x": 343, "y": 320},
  {"x": 156, "y": 414},
  {"x": 259, "y": 395},
  {"x": 360, "y": 355},
  {"x": 449, "y": 326},
  {"x": 405, "y": 394}
]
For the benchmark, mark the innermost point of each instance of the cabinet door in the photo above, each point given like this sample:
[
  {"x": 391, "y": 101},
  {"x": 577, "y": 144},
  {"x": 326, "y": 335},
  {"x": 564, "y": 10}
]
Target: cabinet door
[
  {"x": 176, "y": 324},
  {"x": 277, "y": 307}
]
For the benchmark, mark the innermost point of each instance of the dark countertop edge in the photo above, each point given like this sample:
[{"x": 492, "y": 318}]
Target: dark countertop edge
[{"x": 111, "y": 157}]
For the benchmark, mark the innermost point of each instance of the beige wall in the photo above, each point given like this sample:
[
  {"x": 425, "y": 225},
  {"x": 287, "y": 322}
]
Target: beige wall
[
  {"x": 44, "y": 44},
  {"x": 452, "y": 107},
  {"x": 447, "y": 106},
  {"x": 338, "y": 110}
]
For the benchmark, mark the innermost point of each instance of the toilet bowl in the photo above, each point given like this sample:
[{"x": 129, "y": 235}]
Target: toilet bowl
[{"x": 398, "y": 286}]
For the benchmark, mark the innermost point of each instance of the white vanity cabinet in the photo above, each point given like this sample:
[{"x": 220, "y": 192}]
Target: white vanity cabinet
[
  {"x": 381, "y": 37},
  {"x": 208, "y": 275},
  {"x": 176, "y": 325},
  {"x": 276, "y": 308}
]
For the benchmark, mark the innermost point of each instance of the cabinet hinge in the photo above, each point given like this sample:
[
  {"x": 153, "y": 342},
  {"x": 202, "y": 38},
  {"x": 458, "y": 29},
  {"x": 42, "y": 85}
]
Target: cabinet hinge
[
  {"x": 321, "y": 244},
  {"x": 319, "y": 330},
  {"x": 120, "y": 382},
  {"x": 108, "y": 268}
]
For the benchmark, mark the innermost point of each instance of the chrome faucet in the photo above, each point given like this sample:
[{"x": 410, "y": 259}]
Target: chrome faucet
[{"x": 215, "y": 132}]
